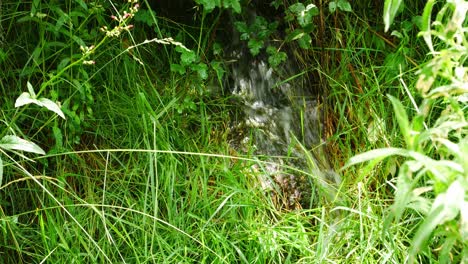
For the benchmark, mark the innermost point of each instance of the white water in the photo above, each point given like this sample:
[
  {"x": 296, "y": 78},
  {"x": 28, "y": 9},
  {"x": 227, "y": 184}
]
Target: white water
[{"x": 277, "y": 116}]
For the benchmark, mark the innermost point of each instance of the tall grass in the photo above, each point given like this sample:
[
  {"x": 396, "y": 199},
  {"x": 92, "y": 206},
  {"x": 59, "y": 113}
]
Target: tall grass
[{"x": 142, "y": 169}]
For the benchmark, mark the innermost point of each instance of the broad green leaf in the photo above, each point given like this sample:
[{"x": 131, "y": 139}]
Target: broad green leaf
[
  {"x": 402, "y": 119},
  {"x": 51, "y": 106},
  {"x": 390, "y": 10},
  {"x": 24, "y": 99},
  {"x": 11, "y": 142}
]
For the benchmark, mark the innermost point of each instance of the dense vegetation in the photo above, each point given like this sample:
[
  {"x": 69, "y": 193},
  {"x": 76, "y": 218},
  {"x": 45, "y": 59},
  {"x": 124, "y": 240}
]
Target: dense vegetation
[{"x": 116, "y": 138}]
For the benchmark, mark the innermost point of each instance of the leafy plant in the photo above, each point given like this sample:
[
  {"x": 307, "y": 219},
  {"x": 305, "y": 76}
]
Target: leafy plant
[
  {"x": 189, "y": 60},
  {"x": 434, "y": 178}
]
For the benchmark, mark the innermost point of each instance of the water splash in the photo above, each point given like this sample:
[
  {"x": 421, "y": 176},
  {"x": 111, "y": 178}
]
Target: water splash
[{"x": 278, "y": 115}]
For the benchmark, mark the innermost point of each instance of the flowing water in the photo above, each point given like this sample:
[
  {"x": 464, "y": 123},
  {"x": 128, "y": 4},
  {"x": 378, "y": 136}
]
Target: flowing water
[{"x": 281, "y": 120}]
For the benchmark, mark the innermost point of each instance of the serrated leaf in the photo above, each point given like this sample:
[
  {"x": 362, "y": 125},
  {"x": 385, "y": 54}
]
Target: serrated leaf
[
  {"x": 49, "y": 104},
  {"x": 11, "y": 142},
  {"x": 24, "y": 99}
]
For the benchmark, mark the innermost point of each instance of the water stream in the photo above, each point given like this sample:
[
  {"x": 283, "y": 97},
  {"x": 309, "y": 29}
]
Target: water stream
[{"x": 283, "y": 121}]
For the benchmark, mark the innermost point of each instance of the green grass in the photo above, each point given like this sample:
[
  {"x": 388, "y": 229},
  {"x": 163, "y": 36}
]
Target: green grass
[{"x": 142, "y": 170}]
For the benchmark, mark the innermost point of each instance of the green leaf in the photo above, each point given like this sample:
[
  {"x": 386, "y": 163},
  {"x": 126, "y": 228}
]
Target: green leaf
[
  {"x": 391, "y": 8},
  {"x": 375, "y": 154},
  {"x": 332, "y": 6},
  {"x": 24, "y": 99},
  {"x": 234, "y": 4},
  {"x": 255, "y": 46},
  {"x": 445, "y": 208},
  {"x": 188, "y": 58},
  {"x": 11, "y": 142},
  {"x": 344, "y": 5},
  {"x": 426, "y": 24},
  {"x": 177, "y": 68},
  {"x": 51, "y": 106},
  {"x": 402, "y": 119},
  {"x": 241, "y": 27},
  {"x": 305, "y": 41},
  {"x": 201, "y": 69},
  {"x": 31, "y": 90}
]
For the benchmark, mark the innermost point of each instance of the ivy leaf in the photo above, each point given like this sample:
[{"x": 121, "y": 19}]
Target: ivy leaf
[{"x": 11, "y": 142}]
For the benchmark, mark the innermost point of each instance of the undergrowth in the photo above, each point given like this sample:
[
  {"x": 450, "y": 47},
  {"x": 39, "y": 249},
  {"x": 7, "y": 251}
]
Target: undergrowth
[{"x": 115, "y": 133}]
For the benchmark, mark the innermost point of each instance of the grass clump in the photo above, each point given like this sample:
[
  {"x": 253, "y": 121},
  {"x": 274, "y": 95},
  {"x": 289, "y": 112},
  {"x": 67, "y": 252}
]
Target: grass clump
[{"x": 118, "y": 149}]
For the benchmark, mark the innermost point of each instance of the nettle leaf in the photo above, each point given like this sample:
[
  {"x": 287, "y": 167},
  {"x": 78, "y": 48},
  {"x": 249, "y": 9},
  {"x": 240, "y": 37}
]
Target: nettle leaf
[{"x": 11, "y": 142}]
